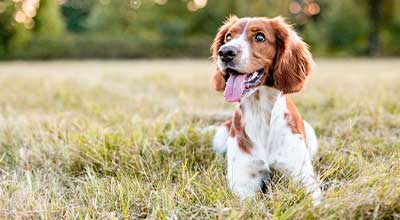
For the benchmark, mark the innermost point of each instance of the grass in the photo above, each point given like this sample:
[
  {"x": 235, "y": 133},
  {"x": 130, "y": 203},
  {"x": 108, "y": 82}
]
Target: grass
[{"x": 122, "y": 140}]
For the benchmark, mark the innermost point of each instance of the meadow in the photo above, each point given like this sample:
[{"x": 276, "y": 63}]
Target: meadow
[{"x": 124, "y": 140}]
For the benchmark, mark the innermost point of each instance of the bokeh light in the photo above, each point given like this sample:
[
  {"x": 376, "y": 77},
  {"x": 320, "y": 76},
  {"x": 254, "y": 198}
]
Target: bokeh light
[
  {"x": 200, "y": 3},
  {"x": 312, "y": 9},
  {"x": 196, "y": 5},
  {"x": 26, "y": 10},
  {"x": 135, "y": 4},
  {"x": 29, "y": 9},
  {"x": 161, "y": 2},
  {"x": 20, "y": 17},
  {"x": 294, "y": 7},
  {"x": 303, "y": 10}
]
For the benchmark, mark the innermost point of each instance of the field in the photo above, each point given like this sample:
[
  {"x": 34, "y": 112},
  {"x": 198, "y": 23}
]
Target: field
[{"x": 123, "y": 139}]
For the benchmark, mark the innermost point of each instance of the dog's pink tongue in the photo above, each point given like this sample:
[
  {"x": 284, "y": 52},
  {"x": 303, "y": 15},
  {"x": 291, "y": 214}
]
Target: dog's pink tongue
[{"x": 234, "y": 88}]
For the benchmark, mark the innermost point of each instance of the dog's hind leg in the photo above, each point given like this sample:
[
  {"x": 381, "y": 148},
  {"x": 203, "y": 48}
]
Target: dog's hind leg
[
  {"x": 294, "y": 160},
  {"x": 311, "y": 140}
]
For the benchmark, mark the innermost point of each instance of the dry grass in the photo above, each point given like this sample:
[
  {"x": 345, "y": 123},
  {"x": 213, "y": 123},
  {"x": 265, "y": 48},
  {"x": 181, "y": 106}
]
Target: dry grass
[{"x": 104, "y": 140}]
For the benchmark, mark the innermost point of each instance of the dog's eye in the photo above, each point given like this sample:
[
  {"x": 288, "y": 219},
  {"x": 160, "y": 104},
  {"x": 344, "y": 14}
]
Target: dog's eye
[
  {"x": 259, "y": 37},
  {"x": 228, "y": 37}
]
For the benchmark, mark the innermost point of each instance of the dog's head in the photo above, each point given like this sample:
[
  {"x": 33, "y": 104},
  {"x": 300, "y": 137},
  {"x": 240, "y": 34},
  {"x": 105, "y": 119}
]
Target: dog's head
[{"x": 249, "y": 52}]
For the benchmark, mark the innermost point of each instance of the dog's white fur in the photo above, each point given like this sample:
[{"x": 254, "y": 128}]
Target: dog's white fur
[
  {"x": 274, "y": 146},
  {"x": 274, "y": 143},
  {"x": 244, "y": 48}
]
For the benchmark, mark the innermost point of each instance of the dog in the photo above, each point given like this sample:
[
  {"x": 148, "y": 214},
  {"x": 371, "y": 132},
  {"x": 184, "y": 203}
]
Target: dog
[{"x": 259, "y": 61}]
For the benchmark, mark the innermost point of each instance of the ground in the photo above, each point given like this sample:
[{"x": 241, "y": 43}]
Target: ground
[{"x": 122, "y": 139}]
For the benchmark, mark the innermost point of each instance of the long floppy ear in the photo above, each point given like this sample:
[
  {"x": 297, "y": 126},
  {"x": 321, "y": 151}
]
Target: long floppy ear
[
  {"x": 293, "y": 60},
  {"x": 218, "y": 79}
]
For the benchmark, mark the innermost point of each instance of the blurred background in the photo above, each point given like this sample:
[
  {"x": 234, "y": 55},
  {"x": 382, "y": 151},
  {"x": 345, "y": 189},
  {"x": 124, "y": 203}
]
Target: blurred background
[{"x": 72, "y": 29}]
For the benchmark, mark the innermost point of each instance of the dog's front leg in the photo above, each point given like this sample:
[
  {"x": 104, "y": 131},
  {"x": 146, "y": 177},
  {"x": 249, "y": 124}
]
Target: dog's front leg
[{"x": 245, "y": 171}]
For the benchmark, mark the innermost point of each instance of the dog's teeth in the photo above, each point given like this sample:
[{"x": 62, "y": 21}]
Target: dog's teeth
[{"x": 253, "y": 76}]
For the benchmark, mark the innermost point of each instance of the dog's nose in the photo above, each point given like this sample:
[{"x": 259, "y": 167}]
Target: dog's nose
[{"x": 227, "y": 54}]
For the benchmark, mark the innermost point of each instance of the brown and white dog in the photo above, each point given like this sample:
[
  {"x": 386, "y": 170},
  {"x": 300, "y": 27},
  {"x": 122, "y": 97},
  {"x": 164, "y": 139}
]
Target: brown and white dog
[{"x": 259, "y": 61}]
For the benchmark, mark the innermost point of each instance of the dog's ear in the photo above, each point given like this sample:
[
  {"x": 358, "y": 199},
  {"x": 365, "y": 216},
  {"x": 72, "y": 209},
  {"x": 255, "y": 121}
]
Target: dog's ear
[
  {"x": 218, "y": 79},
  {"x": 293, "y": 60}
]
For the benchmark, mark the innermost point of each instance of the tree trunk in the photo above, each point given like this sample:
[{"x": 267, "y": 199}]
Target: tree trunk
[{"x": 374, "y": 20}]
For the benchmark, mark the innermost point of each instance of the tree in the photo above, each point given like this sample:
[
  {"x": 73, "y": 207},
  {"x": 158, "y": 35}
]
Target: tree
[
  {"x": 75, "y": 13},
  {"x": 374, "y": 15},
  {"x": 344, "y": 28},
  {"x": 48, "y": 21}
]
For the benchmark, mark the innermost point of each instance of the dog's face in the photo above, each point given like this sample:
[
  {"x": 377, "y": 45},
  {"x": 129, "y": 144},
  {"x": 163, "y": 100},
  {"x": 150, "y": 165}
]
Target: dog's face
[{"x": 246, "y": 50}]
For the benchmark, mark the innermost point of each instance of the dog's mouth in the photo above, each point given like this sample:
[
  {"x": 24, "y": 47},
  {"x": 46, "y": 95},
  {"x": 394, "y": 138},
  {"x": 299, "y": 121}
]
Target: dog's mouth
[{"x": 239, "y": 84}]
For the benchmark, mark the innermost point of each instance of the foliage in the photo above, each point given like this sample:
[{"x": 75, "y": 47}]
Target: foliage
[
  {"x": 333, "y": 28},
  {"x": 13, "y": 35},
  {"x": 48, "y": 21},
  {"x": 75, "y": 13},
  {"x": 344, "y": 29},
  {"x": 122, "y": 46}
]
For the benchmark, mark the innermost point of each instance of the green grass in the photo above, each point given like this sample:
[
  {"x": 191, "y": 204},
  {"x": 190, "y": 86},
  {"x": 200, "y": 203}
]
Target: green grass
[{"x": 122, "y": 139}]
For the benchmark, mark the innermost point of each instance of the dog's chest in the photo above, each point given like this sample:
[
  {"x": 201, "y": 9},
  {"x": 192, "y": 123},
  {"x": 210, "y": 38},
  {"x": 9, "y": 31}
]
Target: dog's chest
[{"x": 259, "y": 109}]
